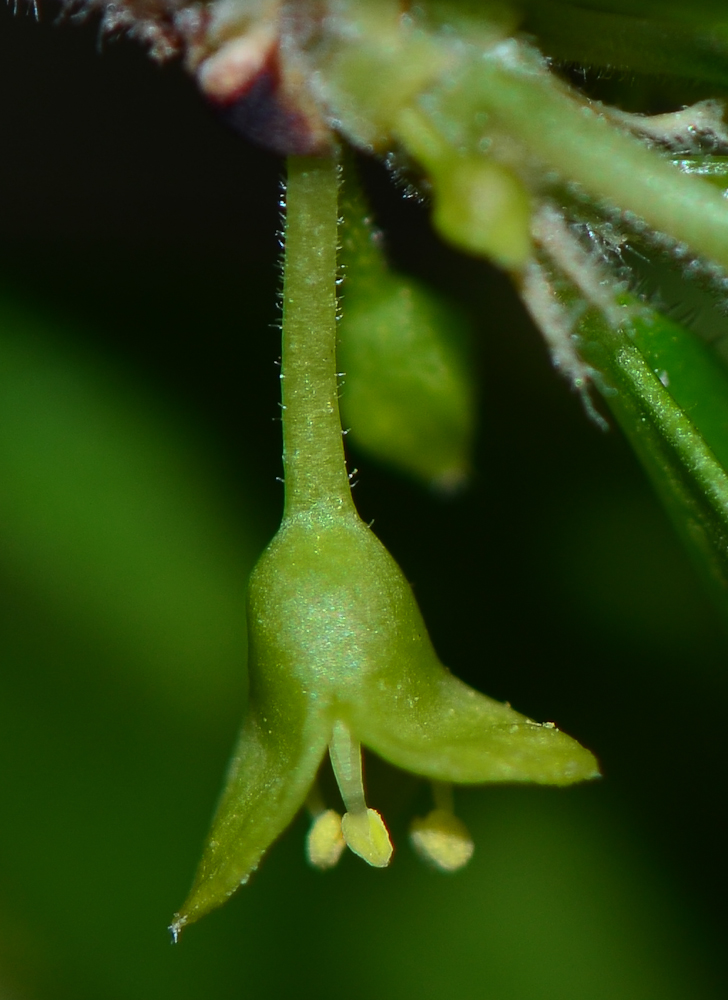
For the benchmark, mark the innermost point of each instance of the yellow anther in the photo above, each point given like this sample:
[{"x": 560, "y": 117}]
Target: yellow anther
[
  {"x": 363, "y": 828},
  {"x": 325, "y": 841},
  {"x": 441, "y": 839},
  {"x": 367, "y": 836}
]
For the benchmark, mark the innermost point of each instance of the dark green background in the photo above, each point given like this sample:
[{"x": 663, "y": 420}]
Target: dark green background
[{"x": 139, "y": 450}]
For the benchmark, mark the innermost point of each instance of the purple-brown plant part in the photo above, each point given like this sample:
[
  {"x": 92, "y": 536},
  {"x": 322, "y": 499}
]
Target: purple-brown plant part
[
  {"x": 161, "y": 26},
  {"x": 245, "y": 57}
]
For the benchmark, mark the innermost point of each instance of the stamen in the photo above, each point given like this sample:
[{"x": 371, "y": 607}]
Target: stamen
[
  {"x": 367, "y": 836},
  {"x": 345, "y": 754},
  {"x": 440, "y": 838},
  {"x": 363, "y": 829},
  {"x": 325, "y": 841}
]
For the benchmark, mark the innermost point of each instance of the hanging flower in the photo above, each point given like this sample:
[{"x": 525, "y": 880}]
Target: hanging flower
[
  {"x": 338, "y": 653},
  {"x": 339, "y": 657}
]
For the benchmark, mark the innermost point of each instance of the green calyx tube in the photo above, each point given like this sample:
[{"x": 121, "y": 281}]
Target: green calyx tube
[{"x": 339, "y": 655}]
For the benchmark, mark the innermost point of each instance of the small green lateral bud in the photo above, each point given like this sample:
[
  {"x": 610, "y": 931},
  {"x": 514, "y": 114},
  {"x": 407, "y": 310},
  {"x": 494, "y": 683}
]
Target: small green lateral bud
[
  {"x": 407, "y": 392},
  {"x": 483, "y": 208}
]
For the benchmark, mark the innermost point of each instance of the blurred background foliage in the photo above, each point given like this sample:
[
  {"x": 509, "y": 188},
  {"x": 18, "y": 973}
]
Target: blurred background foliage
[{"x": 139, "y": 449}]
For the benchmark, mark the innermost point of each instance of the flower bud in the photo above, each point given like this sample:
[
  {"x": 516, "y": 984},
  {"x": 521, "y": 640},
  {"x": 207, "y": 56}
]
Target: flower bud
[
  {"x": 407, "y": 391},
  {"x": 483, "y": 208}
]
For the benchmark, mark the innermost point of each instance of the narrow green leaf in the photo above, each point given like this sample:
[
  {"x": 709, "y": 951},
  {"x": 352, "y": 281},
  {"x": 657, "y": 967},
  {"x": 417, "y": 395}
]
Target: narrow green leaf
[
  {"x": 112, "y": 516},
  {"x": 670, "y": 397},
  {"x": 672, "y": 39}
]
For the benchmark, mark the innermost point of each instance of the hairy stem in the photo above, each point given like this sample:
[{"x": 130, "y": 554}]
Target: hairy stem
[
  {"x": 582, "y": 145},
  {"x": 313, "y": 453}
]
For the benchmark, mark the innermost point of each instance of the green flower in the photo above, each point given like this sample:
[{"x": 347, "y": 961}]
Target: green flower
[{"x": 339, "y": 655}]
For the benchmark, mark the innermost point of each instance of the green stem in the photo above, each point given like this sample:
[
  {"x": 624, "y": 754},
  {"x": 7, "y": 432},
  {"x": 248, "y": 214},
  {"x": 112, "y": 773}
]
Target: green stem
[
  {"x": 579, "y": 143},
  {"x": 313, "y": 453},
  {"x": 441, "y": 99}
]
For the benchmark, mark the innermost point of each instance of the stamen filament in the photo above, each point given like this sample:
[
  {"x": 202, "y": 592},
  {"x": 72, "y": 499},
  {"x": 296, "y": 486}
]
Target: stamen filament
[
  {"x": 363, "y": 828},
  {"x": 443, "y": 797},
  {"x": 345, "y": 753}
]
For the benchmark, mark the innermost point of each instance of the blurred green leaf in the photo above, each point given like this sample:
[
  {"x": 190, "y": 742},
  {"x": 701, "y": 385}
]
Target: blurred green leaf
[
  {"x": 111, "y": 515},
  {"x": 644, "y": 36},
  {"x": 670, "y": 395}
]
